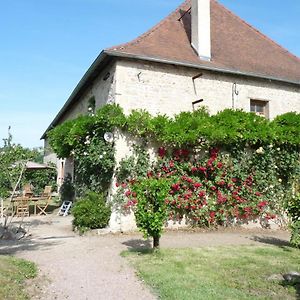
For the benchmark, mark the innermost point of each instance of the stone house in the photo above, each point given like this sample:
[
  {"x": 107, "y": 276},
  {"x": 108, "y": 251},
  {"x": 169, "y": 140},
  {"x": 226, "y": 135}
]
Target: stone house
[{"x": 201, "y": 51}]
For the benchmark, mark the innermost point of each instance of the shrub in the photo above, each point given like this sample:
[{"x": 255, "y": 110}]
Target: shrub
[
  {"x": 91, "y": 212},
  {"x": 295, "y": 235},
  {"x": 67, "y": 190},
  {"x": 293, "y": 209}
]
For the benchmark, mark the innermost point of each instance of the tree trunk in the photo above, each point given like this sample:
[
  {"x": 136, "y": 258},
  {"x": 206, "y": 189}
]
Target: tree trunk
[{"x": 155, "y": 242}]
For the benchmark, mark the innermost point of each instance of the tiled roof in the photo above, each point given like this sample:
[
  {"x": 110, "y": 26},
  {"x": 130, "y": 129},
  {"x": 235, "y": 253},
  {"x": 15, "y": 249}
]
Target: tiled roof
[{"x": 236, "y": 46}]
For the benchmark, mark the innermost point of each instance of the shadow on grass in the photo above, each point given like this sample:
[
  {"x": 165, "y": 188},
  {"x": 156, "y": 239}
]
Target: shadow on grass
[
  {"x": 139, "y": 246},
  {"x": 295, "y": 286},
  {"x": 272, "y": 241}
]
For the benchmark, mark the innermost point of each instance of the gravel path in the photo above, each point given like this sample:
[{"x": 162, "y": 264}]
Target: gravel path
[{"x": 91, "y": 268}]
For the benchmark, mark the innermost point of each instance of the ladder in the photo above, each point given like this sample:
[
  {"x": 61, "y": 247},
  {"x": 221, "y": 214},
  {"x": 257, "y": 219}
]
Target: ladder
[{"x": 65, "y": 208}]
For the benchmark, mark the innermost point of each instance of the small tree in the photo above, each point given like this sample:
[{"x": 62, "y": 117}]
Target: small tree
[{"x": 151, "y": 209}]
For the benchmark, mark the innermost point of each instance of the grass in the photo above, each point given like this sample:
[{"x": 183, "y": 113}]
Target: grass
[
  {"x": 239, "y": 272},
  {"x": 13, "y": 275}
]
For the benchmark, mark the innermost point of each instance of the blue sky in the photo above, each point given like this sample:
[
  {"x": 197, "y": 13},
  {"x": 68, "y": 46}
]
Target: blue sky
[{"x": 46, "y": 46}]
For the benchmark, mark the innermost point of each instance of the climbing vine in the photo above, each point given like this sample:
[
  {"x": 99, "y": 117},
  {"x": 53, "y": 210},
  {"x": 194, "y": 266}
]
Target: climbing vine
[{"x": 249, "y": 145}]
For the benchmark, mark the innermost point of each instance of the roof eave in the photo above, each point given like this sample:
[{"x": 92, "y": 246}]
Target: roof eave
[
  {"x": 88, "y": 76},
  {"x": 108, "y": 53},
  {"x": 200, "y": 66}
]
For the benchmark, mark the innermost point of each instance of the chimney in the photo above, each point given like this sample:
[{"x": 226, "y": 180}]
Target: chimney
[{"x": 201, "y": 39}]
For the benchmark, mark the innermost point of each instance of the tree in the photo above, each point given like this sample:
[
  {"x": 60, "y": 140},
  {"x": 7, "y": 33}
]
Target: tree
[
  {"x": 12, "y": 159},
  {"x": 151, "y": 209}
]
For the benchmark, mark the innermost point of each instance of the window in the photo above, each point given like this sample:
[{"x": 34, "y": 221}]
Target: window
[{"x": 260, "y": 108}]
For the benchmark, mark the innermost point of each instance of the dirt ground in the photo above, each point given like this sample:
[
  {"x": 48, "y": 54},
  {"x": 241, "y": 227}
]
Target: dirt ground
[{"x": 91, "y": 268}]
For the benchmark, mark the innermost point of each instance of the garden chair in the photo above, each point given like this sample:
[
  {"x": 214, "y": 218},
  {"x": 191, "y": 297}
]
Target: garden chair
[
  {"x": 27, "y": 191},
  {"x": 46, "y": 199},
  {"x": 22, "y": 207}
]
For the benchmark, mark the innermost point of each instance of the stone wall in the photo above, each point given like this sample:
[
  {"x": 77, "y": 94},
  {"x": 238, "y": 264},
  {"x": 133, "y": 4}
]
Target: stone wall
[
  {"x": 103, "y": 89},
  {"x": 169, "y": 89}
]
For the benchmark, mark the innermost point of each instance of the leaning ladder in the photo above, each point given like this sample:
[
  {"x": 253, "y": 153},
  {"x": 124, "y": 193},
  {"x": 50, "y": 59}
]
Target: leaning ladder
[{"x": 65, "y": 208}]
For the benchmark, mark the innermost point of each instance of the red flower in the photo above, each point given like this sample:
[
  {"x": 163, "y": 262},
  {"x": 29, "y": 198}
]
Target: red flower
[
  {"x": 219, "y": 165},
  {"x": 190, "y": 180},
  {"x": 176, "y": 187},
  {"x": 124, "y": 185},
  {"x": 262, "y": 204},
  {"x": 132, "y": 181},
  {"x": 134, "y": 194},
  {"x": 213, "y": 188},
  {"x": 258, "y": 194},
  {"x": 194, "y": 169},
  {"x": 270, "y": 216},
  {"x": 149, "y": 174},
  {"x": 212, "y": 214},
  {"x": 162, "y": 152},
  {"x": 197, "y": 185},
  {"x": 248, "y": 210},
  {"x": 201, "y": 194},
  {"x": 214, "y": 153},
  {"x": 117, "y": 184},
  {"x": 171, "y": 164},
  {"x": 202, "y": 169},
  {"x": 221, "y": 183},
  {"x": 127, "y": 193}
]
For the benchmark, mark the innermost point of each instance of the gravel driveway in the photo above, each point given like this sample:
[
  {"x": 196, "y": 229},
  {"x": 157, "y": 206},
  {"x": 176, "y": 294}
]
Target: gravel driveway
[{"x": 91, "y": 268}]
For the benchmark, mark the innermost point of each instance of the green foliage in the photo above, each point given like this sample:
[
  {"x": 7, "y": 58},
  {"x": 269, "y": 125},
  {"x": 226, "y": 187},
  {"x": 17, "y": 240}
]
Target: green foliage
[
  {"x": 13, "y": 158},
  {"x": 139, "y": 123},
  {"x": 228, "y": 127},
  {"x": 40, "y": 178},
  {"x": 83, "y": 139},
  {"x": 293, "y": 207},
  {"x": 236, "y": 126},
  {"x": 58, "y": 139},
  {"x": 14, "y": 275},
  {"x": 134, "y": 166},
  {"x": 91, "y": 212},
  {"x": 224, "y": 272},
  {"x": 94, "y": 166},
  {"x": 267, "y": 149},
  {"x": 295, "y": 235},
  {"x": 287, "y": 128},
  {"x": 67, "y": 190},
  {"x": 151, "y": 212}
]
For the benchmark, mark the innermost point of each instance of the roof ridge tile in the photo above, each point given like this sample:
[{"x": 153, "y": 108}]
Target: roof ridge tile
[{"x": 151, "y": 30}]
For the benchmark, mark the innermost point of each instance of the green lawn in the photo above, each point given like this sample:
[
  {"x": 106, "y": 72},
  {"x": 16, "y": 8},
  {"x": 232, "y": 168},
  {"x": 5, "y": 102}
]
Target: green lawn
[
  {"x": 236, "y": 272},
  {"x": 13, "y": 275}
]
